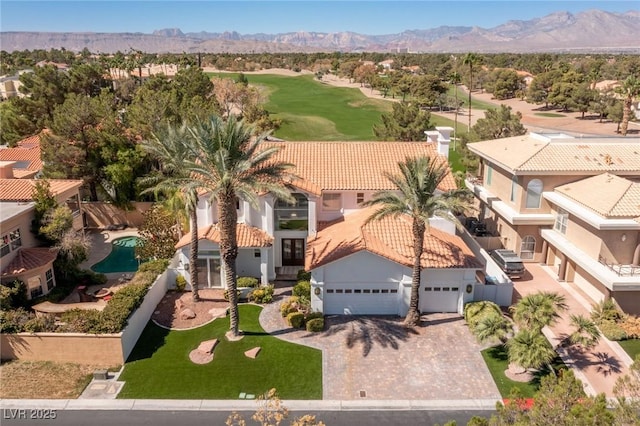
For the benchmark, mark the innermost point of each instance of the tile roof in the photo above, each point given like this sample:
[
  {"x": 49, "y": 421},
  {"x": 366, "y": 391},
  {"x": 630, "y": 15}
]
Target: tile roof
[
  {"x": 29, "y": 258},
  {"x": 21, "y": 189},
  {"x": 335, "y": 166},
  {"x": 606, "y": 194},
  {"x": 529, "y": 153},
  {"x": 390, "y": 238},
  {"x": 247, "y": 236},
  {"x": 27, "y": 150}
]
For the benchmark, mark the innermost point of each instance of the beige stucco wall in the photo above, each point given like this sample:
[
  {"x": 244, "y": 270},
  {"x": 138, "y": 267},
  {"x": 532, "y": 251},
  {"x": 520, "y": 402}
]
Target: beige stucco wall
[
  {"x": 104, "y": 350},
  {"x": 628, "y": 301},
  {"x": 28, "y": 239},
  {"x": 101, "y": 215}
]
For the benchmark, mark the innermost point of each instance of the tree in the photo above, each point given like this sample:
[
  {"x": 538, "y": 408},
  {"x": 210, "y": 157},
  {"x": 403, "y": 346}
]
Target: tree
[
  {"x": 492, "y": 327},
  {"x": 530, "y": 349},
  {"x": 470, "y": 59},
  {"x": 455, "y": 79},
  {"x": 157, "y": 238},
  {"x": 629, "y": 90},
  {"x": 407, "y": 122},
  {"x": 497, "y": 123},
  {"x": 585, "y": 334},
  {"x": 174, "y": 148},
  {"x": 416, "y": 196},
  {"x": 627, "y": 392},
  {"x": 45, "y": 88},
  {"x": 538, "y": 310},
  {"x": 231, "y": 163}
]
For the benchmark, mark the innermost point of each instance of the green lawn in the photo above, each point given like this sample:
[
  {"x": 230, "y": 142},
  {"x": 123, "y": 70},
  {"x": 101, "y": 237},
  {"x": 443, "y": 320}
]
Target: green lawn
[
  {"x": 497, "y": 362},
  {"x": 159, "y": 366},
  {"x": 631, "y": 346},
  {"x": 550, "y": 114}
]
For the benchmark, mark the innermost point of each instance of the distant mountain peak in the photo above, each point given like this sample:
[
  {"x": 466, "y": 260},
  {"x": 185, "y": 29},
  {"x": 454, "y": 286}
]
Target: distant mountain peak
[{"x": 169, "y": 32}]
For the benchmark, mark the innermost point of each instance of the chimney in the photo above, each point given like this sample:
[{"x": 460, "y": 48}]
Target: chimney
[
  {"x": 441, "y": 136},
  {"x": 6, "y": 169}
]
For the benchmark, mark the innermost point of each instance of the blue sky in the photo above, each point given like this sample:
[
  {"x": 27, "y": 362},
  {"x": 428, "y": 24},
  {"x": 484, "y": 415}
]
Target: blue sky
[{"x": 248, "y": 17}]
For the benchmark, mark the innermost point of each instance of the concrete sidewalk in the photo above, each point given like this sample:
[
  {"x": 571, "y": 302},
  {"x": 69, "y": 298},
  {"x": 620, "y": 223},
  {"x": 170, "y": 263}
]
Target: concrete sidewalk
[{"x": 598, "y": 367}]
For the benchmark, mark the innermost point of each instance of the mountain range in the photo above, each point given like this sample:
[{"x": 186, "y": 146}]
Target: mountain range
[{"x": 590, "y": 31}]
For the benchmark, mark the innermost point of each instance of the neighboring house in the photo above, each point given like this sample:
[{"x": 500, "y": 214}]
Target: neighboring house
[
  {"x": 20, "y": 256},
  {"x": 26, "y": 156},
  {"x": 355, "y": 268},
  {"x": 570, "y": 203}
]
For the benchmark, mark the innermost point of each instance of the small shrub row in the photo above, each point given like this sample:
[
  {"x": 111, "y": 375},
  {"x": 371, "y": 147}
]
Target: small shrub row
[
  {"x": 315, "y": 325},
  {"x": 474, "y": 312},
  {"x": 302, "y": 290},
  {"x": 262, "y": 294},
  {"x": 631, "y": 326},
  {"x": 312, "y": 321},
  {"x": 247, "y": 282},
  {"x": 613, "y": 323},
  {"x": 294, "y": 304},
  {"x": 612, "y": 331}
]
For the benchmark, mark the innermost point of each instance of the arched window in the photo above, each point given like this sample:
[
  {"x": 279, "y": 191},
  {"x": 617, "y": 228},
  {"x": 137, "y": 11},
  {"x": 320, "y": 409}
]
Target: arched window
[
  {"x": 527, "y": 247},
  {"x": 534, "y": 193}
]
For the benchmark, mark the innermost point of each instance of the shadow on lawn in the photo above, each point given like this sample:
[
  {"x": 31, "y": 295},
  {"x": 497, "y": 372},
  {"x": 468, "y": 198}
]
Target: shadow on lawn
[
  {"x": 152, "y": 339},
  {"x": 500, "y": 354}
]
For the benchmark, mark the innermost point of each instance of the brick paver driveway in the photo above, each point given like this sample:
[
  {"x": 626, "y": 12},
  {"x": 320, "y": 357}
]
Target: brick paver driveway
[{"x": 439, "y": 360}]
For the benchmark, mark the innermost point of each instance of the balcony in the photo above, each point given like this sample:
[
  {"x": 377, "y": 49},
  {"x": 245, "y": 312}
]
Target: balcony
[{"x": 620, "y": 270}]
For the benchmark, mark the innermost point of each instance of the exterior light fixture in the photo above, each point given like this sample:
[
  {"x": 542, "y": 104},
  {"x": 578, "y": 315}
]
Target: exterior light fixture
[
  {"x": 469, "y": 288},
  {"x": 317, "y": 291}
]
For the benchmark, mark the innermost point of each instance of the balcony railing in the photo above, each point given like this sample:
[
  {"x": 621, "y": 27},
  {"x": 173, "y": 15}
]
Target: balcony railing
[{"x": 620, "y": 270}]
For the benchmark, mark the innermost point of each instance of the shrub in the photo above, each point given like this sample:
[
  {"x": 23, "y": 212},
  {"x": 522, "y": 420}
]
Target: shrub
[
  {"x": 313, "y": 315},
  {"x": 315, "y": 325},
  {"x": 302, "y": 290},
  {"x": 78, "y": 321},
  {"x": 303, "y": 275},
  {"x": 475, "y": 311},
  {"x": 289, "y": 305},
  {"x": 296, "y": 319},
  {"x": 13, "y": 295},
  {"x": 604, "y": 311},
  {"x": 40, "y": 324},
  {"x": 263, "y": 294},
  {"x": 181, "y": 283},
  {"x": 631, "y": 326},
  {"x": 612, "y": 331},
  {"x": 13, "y": 321},
  {"x": 156, "y": 266},
  {"x": 247, "y": 282}
]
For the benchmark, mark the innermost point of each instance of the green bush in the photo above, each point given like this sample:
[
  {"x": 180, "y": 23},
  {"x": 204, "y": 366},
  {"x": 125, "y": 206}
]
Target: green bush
[
  {"x": 315, "y": 325},
  {"x": 181, "y": 283},
  {"x": 475, "y": 311},
  {"x": 263, "y": 294},
  {"x": 13, "y": 295},
  {"x": 13, "y": 321},
  {"x": 313, "y": 315},
  {"x": 296, "y": 319},
  {"x": 302, "y": 290},
  {"x": 303, "y": 275},
  {"x": 248, "y": 282},
  {"x": 605, "y": 311},
  {"x": 157, "y": 266},
  {"x": 41, "y": 323},
  {"x": 289, "y": 305},
  {"x": 612, "y": 331}
]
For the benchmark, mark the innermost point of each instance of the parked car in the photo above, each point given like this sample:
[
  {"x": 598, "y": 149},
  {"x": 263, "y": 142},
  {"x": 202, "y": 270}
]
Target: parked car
[{"x": 509, "y": 262}]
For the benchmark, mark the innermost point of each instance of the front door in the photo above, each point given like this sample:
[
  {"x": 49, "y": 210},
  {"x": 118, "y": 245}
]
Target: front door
[{"x": 292, "y": 251}]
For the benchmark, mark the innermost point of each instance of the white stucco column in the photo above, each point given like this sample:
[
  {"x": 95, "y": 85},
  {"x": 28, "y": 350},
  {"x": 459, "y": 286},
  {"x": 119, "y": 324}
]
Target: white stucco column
[
  {"x": 317, "y": 286},
  {"x": 313, "y": 215},
  {"x": 267, "y": 215},
  {"x": 264, "y": 265}
]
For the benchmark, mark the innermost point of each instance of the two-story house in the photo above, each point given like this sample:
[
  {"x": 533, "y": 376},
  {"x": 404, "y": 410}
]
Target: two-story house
[
  {"x": 355, "y": 267},
  {"x": 21, "y": 258},
  {"x": 570, "y": 203}
]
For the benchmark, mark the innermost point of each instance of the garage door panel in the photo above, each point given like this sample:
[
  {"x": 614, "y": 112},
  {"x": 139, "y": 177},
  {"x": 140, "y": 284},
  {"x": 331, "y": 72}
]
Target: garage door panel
[
  {"x": 363, "y": 300},
  {"x": 442, "y": 298}
]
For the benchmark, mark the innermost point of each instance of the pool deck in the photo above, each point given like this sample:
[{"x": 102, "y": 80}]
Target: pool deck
[{"x": 101, "y": 247}]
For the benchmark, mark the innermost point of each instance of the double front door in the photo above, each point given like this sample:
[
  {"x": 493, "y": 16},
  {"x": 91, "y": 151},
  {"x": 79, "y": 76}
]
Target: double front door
[{"x": 292, "y": 251}]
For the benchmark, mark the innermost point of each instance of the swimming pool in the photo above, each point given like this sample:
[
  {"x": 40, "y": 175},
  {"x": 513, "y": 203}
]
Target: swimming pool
[{"x": 121, "y": 259}]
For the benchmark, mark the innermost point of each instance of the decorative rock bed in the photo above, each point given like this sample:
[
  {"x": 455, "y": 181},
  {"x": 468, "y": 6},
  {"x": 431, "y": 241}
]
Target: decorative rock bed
[{"x": 203, "y": 354}]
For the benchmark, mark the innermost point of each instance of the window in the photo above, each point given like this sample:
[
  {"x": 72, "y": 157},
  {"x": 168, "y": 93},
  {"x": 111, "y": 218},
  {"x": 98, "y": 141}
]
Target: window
[
  {"x": 359, "y": 198},
  {"x": 10, "y": 242},
  {"x": 50, "y": 281},
  {"x": 292, "y": 216},
  {"x": 562, "y": 217},
  {"x": 489, "y": 173},
  {"x": 527, "y": 247},
  {"x": 331, "y": 201},
  {"x": 514, "y": 189},
  {"x": 36, "y": 292},
  {"x": 534, "y": 193},
  {"x": 34, "y": 284}
]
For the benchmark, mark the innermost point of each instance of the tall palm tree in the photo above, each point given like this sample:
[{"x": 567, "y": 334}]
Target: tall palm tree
[
  {"x": 174, "y": 148},
  {"x": 530, "y": 350},
  {"x": 470, "y": 59},
  {"x": 493, "y": 327},
  {"x": 232, "y": 164},
  {"x": 455, "y": 79},
  {"x": 535, "y": 311},
  {"x": 585, "y": 334},
  {"x": 629, "y": 90},
  {"x": 416, "y": 195}
]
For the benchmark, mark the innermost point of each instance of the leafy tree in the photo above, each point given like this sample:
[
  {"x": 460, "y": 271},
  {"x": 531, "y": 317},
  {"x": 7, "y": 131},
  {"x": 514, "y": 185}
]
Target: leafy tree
[
  {"x": 232, "y": 163},
  {"x": 407, "y": 122},
  {"x": 426, "y": 89},
  {"x": 615, "y": 113},
  {"x": 504, "y": 83},
  {"x": 44, "y": 202},
  {"x": 14, "y": 124},
  {"x": 582, "y": 98},
  {"x": 416, "y": 196},
  {"x": 497, "y": 123},
  {"x": 627, "y": 392},
  {"x": 87, "y": 80},
  {"x": 56, "y": 223},
  {"x": 45, "y": 88},
  {"x": 630, "y": 89},
  {"x": 364, "y": 74},
  {"x": 157, "y": 237},
  {"x": 540, "y": 87}
]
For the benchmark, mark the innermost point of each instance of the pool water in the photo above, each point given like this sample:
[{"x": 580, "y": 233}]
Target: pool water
[{"x": 121, "y": 259}]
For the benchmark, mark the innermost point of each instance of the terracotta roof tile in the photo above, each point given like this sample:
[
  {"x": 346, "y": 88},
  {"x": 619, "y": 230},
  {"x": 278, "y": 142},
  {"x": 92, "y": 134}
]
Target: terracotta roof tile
[
  {"x": 334, "y": 166},
  {"x": 390, "y": 238},
  {"x": 606, "y": 194},
  {"x": 591, "y": 155},
  {"x": 21, "y": 189},
  {"x": 27, "y": 150},
  {"x": 247, "y": 236},
  {"x": 29, "y": 258}
]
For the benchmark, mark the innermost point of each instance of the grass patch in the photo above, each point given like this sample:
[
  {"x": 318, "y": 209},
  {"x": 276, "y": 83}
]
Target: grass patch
[
  {"x": 497, "y": 362},
  {"x": 159, "y": 366},
  {"x": 549, "y": 114},
  {"x": 44, "y": 379},
  {"x": 631, "y": 346}
]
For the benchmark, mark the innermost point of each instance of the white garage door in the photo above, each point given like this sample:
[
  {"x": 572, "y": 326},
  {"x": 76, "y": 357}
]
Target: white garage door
[
  {"x": 439, "y": 299},
  {"x": 351, "y": 299}
]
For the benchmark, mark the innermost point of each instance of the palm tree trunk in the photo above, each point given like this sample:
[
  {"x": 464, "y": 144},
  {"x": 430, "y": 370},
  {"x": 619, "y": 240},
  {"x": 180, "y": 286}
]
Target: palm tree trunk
[
  {"x": 413, "y": 314},
  {"x": 229, "y": 253},
  {"x": 626, "y": 113},
  {"x": 193, "y": 255}
]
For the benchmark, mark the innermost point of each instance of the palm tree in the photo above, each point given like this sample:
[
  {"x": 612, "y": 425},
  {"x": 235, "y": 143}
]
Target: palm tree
[
  {"x": 230, "y": 164},
  {"x": 586, "y": 333},
  {"x": 470, "y": 59},
  {"x": 530, "y": 350},
  {"x": 455, "y": 79},
  {"x": 629, "y": 89},
  {"x": 535, "y": 311},
  {"x": 416, "y": 196},
  {"x": 493, "y": 327},
  {"x": 173, "y": 147}
]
